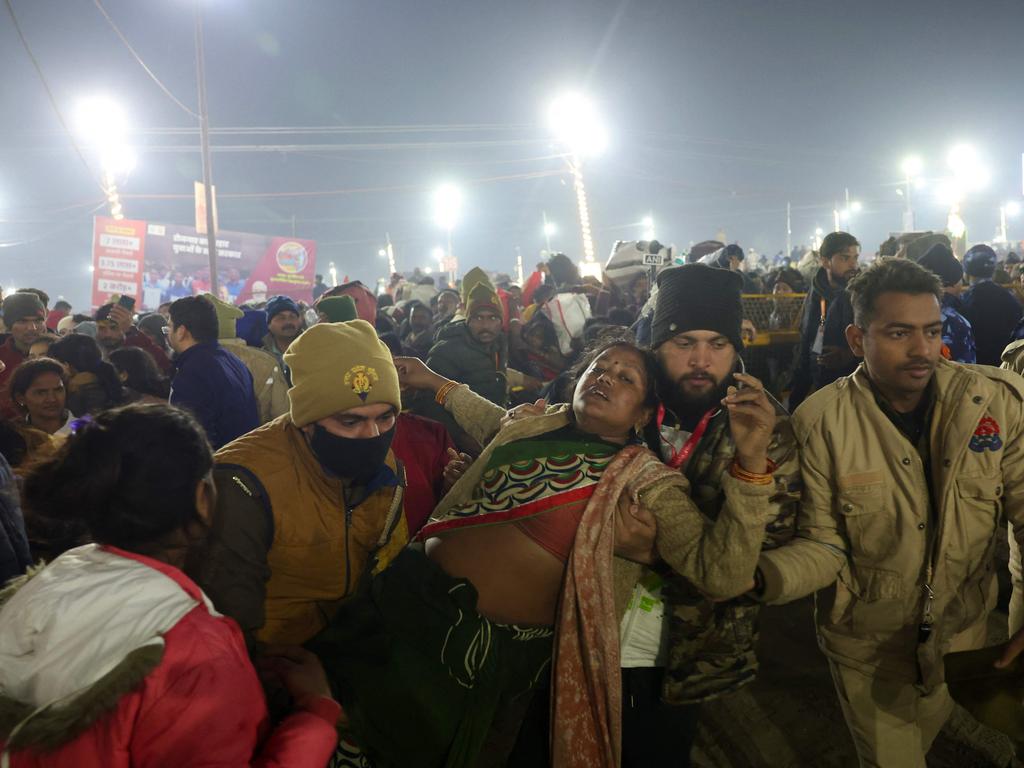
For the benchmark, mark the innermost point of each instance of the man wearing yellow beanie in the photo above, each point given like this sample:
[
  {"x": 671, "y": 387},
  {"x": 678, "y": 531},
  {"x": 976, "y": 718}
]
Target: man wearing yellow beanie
[
  {"x": 268, "y": 382},
  {"x": 313, "y": 501}
]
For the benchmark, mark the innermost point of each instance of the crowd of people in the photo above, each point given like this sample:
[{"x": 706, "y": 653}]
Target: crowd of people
[{"x": 495, "y": 524}]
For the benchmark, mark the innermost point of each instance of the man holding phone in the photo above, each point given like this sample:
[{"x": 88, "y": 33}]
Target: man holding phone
[
  {"x": 114, "y": 329},
  {"x": 715, "y": 416}
]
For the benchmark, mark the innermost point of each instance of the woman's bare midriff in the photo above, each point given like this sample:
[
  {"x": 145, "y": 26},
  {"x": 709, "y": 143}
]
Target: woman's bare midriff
[{"x": 518, "y": 581}]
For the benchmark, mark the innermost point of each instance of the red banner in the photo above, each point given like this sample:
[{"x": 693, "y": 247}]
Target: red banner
[
  {"x": 250, "y": 267},
  {"x": 118, "y": 257}
]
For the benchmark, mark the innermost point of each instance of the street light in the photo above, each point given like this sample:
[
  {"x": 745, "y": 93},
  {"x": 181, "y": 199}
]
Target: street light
[
  {"x": 103, "y": 124},
  {"x": 447, "y": 208},
  {"x": 574, "y": 122},
  {"x": 647, "y": 222},
  {"x": 549, "y": 229}
]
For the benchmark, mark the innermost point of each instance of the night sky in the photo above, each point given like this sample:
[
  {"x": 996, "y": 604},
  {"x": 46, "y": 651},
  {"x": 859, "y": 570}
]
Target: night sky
[{"x": 719, "y": 112}]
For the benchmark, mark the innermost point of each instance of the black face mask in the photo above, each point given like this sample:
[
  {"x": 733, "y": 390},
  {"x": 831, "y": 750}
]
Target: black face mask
[{"x": 354, "y": 458}]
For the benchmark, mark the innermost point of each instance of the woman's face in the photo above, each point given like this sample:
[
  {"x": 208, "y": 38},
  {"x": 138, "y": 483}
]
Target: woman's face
[
  {"x": 39, "y": 349},
  {"x": 44, "y": 399},
  {"x": 609, "y": 398}
]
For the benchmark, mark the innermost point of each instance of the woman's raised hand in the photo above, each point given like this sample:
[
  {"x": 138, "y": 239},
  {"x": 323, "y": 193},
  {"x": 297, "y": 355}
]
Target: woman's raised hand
[{"x": 414, "y": 374}]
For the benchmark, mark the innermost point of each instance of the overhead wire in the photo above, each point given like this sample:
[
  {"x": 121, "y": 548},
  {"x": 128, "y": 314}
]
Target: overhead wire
[
  {"x": 349, "y": 191},
  {"x": 50, "y": 96},
  {"x": 138, "y": 58}
]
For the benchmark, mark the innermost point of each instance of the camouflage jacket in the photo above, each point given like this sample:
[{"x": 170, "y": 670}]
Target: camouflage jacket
[{"x": 711, "y": 645}]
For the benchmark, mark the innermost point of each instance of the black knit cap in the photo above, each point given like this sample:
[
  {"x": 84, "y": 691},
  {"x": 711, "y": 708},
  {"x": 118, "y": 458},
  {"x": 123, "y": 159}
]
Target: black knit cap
[
  {"x": 696, "y": 297},
  {"x": 940, "y": 260}
]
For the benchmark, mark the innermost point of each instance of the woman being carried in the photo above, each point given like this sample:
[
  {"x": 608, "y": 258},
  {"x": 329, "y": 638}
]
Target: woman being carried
[{"x": 437, "y": 663}]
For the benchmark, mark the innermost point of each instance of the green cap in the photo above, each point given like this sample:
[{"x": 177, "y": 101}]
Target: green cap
[{"x": 337, "y": 309}]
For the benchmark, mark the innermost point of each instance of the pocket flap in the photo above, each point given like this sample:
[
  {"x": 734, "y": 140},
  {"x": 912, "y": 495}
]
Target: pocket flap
[
  {"x": 860, "y": 500},
  {"x": 877, "y": 583},
  {"x": 990, "y": 488}
]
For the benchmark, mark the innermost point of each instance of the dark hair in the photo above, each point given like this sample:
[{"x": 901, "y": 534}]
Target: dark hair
[
  {"x": 47, "y": 338},
  {"x": 43, "y": 295},
  {"x": 198, "y": 315},
  {"x": 889, "y": 275},
  {"x": 30, "y": 370},
  {"x": 542, "y": 323},
  {"x": 84, "y": 355},
  {"x": 835, "y": 242},
  {"x": 651, "y": 435},
  {"x": 544, "y": 289},
  {"x": 80, "y": 318},
  {"x": 319, "y": 277},
  {"x": 64, "y": 305},
  {"x": 392, "y": 342},
  {"x": 142, "y": 372},
  {"x": 385, "y": 300},
  {"x": 129, "y": 476},
  {"x": 621, "y": 316},
  {"x": 563, "y": 271}
]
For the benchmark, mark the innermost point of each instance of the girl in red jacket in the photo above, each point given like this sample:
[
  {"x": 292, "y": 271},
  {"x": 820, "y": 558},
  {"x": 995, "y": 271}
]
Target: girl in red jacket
[{"x": 110, "y": 656}]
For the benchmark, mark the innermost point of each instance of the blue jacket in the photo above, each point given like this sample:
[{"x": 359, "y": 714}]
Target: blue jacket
[
  {"x": 14, "y": 554},
  {"x": 957, "y": 334},
  {"x": 217, "y": 388}
]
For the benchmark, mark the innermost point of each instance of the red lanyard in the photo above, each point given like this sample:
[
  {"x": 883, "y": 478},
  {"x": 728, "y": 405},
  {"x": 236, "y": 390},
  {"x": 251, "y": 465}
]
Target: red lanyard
[{"x": 681, "y": 457}]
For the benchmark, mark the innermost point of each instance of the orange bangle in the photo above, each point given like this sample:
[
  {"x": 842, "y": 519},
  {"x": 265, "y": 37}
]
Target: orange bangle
[
  {"x": 444, "y": 391},
  {"x": 755, "y": 478}
]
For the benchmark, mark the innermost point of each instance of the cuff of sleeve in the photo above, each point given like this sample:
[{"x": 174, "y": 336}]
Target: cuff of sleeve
[
  {"x": 732, "y": 484},
  {"x": 774, "y": 580},
  {"x": 322, "y": 707}
]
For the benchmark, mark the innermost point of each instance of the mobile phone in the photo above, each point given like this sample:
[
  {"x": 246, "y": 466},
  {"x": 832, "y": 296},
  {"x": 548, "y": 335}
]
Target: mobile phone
[{"x": 128, "y": 302}]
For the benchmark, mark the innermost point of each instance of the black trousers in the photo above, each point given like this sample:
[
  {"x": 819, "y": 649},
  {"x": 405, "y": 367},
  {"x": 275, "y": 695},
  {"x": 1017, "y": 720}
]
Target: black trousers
[{"x": 654, "y": 733}]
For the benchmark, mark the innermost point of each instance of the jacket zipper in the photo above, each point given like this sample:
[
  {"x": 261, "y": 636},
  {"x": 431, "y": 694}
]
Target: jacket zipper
[{"x": 348, "y": 523}]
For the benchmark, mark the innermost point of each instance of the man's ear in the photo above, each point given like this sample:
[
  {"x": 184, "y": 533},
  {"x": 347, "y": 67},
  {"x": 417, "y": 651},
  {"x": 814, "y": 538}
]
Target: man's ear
[{"x": 855, "y": 338}]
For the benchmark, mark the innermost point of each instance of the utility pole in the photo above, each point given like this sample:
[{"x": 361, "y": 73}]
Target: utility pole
[
  {"x": 789, "y": 229},
  {"x": 204, "y": 140}
]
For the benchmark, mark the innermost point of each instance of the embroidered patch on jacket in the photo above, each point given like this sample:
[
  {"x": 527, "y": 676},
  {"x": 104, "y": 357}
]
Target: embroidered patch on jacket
[
  {"x": 361, "y": 378},
  {"x": 986, "y": 436}
]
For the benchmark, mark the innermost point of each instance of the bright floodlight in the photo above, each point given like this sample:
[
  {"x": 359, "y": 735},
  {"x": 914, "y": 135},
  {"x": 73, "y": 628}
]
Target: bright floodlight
[
  {"x": 574, "y": 121},
  {"x": 1012, "y": 208},
  {"x": 949, "y": 192},
  {"x": 549, "y": 228},
  {"x": 438, "y": 253},
  {"x": 967, "y": 167},
  {"x": 447, "y": 206},
  {"x": 647, "y": 222},
  {"x": 118, "y": 160},
  {"x": 856, "y": 206},
  {"x": 912, "y": 166},
  {"x": 101, "y": 120},
  {"x": 428, "y": 270}
]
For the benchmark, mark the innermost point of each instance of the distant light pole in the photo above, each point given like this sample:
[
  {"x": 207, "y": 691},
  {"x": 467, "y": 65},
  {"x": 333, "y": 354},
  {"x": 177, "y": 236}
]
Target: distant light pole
[
  {"x": 911, "y": 167},
  {"x": 574, "y": 122},
  {"x": 447, "y": 208},
  {"x": 204, "y": 142},
  {"x": 102, "y": 122},
  {"x": 1010, "y": 209},
  {"x": 549, "y": 230}
]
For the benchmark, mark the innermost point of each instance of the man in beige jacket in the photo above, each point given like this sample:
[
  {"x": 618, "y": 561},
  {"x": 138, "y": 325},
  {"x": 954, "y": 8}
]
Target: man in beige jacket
[
  {"x": 909, "y": 467},
  {"x": 268, "y": 382}
]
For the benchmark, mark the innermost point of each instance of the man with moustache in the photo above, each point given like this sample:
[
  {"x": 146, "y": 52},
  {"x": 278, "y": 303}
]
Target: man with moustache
[
  {"x": 710, "y": 646},
  {"x": 284, "y": 323},
  {"x": 910, "y": 466}
]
